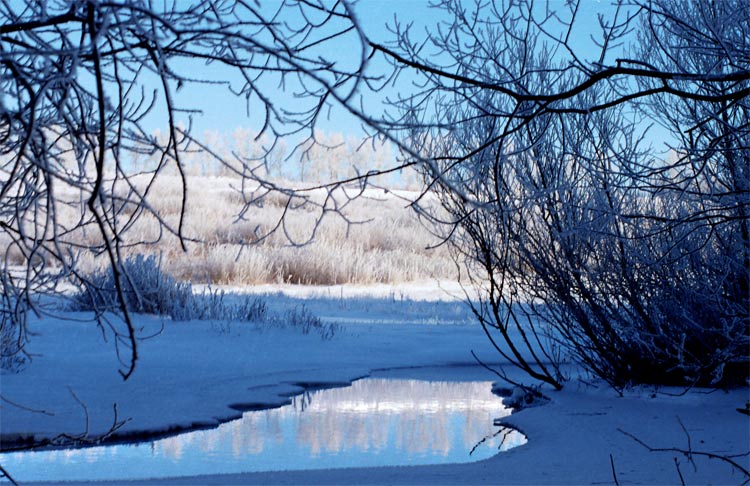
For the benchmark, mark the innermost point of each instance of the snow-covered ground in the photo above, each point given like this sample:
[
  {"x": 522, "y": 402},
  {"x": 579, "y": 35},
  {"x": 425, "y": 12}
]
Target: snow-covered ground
[{"x": 202, "y": 373}]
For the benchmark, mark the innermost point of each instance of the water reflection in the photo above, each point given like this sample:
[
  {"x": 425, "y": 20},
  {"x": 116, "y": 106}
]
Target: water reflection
[{"x": 371, "y": 423}]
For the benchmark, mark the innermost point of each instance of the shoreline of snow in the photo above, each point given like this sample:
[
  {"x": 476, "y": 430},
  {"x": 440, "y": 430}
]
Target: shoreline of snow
[
  {"x": 575, "y": 439},
  {"x": 202, "y": 373}
]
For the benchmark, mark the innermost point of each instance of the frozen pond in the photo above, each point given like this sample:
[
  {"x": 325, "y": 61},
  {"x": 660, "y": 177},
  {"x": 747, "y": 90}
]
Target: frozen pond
[{"x": 378, "y": 421}]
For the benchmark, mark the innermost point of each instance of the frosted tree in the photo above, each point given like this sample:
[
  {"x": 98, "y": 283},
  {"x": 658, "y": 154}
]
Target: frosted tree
[{"x": 585, "y": 234}]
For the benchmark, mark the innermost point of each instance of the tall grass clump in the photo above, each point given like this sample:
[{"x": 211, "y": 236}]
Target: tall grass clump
[
  {"x": 146, "y": 289},
  {"x": 302, "y": 319}
]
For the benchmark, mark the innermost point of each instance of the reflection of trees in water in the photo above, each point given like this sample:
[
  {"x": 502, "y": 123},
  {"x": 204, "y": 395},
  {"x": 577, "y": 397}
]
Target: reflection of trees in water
[
  {"x": 251, "y": 433},
  {"x": 416, "y": 417}
]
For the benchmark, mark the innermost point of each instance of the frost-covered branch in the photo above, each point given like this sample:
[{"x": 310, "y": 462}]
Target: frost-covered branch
[
  {"x": 83, "y": 82},
  {"x": 579, "y": 228}
]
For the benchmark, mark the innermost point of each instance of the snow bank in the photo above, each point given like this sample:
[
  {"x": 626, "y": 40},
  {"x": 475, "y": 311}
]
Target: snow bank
[{"x": 202, "y": 373}]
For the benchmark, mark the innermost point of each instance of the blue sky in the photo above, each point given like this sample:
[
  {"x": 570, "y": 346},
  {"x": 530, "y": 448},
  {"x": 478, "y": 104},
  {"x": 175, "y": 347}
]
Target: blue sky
[{"x": 224, "y": 112}]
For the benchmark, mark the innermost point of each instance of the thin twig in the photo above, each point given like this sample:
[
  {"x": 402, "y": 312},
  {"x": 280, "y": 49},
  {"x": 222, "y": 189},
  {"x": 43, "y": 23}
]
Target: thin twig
[
  {"x": 23, "y": 407},
  {"x": 85, "y": 412},
  {"x": 679, "y": 473},
  {"x": 5, "y": 474},
  {"x": 533, "y": 391},
  {"x": 688, "y": 453},
  {"x": 614, "y": 473},
  {"x": 689, "y": 444}
]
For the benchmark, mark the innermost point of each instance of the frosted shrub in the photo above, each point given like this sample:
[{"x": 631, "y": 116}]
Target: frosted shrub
[
  {"x": 148, "y": 290},
  {"x": 378, "y": 241},
  {"x": 145, "y": 288},
  {"x": 629, "y": 248}
]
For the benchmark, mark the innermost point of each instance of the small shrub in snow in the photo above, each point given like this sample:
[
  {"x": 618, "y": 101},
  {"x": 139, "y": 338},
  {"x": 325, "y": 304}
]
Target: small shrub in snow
[
  {"x": 148, "y": 290},
  {"x": 145, "y": 288},
  {"x": 301, "y": 318}
]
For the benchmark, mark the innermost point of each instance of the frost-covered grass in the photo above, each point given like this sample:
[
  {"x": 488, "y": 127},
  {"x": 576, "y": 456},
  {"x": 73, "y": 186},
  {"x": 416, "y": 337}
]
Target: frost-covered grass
[{"x": 375, "y": 238}]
